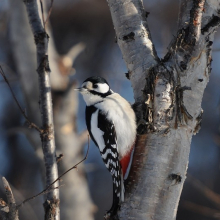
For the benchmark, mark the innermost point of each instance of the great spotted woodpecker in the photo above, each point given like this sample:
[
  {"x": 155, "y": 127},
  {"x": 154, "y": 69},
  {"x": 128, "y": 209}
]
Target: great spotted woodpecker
[{"x": 111, "y": 124}]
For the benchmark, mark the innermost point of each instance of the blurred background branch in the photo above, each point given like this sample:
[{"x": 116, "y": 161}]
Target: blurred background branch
[{"x": 12, "y": 212}]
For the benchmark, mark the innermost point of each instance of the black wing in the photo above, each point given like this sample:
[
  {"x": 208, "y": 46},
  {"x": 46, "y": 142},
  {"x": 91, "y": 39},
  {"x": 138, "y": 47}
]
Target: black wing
[
  {"x": 110, "y": 154},
  {"x": 108, "y": 151}
]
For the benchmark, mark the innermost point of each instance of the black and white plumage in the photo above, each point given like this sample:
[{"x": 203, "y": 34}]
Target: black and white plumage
[{"x": 111, "y": 124}]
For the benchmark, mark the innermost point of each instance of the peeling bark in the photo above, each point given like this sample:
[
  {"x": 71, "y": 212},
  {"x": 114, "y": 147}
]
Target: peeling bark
[{"x": 168, "y": 95}]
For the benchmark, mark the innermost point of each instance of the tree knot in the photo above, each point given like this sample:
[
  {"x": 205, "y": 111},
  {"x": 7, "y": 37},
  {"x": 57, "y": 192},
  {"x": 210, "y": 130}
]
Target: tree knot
[
  {"x": 47, "y": 133},
  {"x": 129, "y": 37}
]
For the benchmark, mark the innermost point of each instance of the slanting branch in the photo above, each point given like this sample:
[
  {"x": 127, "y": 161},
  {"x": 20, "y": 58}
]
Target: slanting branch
[
  {"x": 31, "y": 124},
  {"x": 168, "y": 95},
  {"x": 10, "y": 211},
  {"x": 195, "y": 21},
  {"x": 133, "y": 37},
  {"x": 47, "y": 136}
]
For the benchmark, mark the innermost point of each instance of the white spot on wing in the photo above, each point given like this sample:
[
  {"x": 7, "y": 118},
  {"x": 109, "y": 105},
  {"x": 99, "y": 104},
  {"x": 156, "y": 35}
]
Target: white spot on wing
[
  {"x": 106, "y": 153},
  {"x": 114, "y": 146}
]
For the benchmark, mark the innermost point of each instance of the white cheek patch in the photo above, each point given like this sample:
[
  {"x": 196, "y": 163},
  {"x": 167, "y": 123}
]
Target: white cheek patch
[
  {"x": 87, "y": 85},
  {"x": 102, "y": 88}
]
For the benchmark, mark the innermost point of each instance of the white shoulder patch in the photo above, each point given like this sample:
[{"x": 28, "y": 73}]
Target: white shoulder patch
[{"x": 96, "y": 132}]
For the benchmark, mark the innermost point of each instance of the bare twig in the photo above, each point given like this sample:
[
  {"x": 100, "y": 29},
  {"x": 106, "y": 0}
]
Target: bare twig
[
  {"x": 13, "y": 212},
  {"x": 48, "y": 188},
  {"x": 45, "y": 191},
  {"x": 82, "y": 137},
  {"x": 11, "y": 80},
  {"x": 31, "y": 124},
  {"x": 49, "y": 12},
  {"x": 42, "y": 12}
]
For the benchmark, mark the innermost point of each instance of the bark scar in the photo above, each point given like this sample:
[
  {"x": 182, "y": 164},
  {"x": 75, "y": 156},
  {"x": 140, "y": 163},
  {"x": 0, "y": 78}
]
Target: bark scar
[
  {"x": 176, "y": 177},
  {"x": 181, "y": 108},
  {"x": 129, "y": 37}
]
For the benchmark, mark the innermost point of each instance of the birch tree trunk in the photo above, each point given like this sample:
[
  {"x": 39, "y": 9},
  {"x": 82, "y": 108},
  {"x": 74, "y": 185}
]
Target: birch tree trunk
[{"x": 168, "y": 94}]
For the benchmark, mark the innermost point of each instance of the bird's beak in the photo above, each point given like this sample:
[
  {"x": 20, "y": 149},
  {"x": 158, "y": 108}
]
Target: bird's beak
[
  {"x": 81, "y": 89},
  {"x": 77, "y": 89}
]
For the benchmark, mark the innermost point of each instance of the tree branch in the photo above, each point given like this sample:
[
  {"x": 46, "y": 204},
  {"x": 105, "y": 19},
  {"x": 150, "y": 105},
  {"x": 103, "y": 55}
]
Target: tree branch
[
  {"x": 47, "y": 136},
  {"x": 49, "y": 188},
  {"x": 49, "y": 12},
  {"x": 195, "y": 22},
  {"x": 188, "y": 42},
  {"x": 13, "y": 212},
  {"x": 31, "y": 124},
  {"x": 134, "y": 40}
]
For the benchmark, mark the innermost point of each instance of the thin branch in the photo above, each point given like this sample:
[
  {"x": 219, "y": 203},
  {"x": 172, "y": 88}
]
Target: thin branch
[
  {"x": 42, "y": 12},
  {"x": 51, "y": 204},
  {"x": 13, "y": 212},
  {"x": 31, "y": 124},
  {"x": 82, "y": 137},
  {"x": 189, "y": 33},
  {"x": 49, "y": 12},
  {"x": 48, "y": 188},
  {"x": 11, "y": 80},
  {"x": 45, "y": 191},
  {"x": 195, "y": 21}
]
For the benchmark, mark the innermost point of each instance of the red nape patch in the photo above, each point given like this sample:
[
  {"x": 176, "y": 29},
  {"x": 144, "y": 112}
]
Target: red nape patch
[{"x": 125, "y": 161}]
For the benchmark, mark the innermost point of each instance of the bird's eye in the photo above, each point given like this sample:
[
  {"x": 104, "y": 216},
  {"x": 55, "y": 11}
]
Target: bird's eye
[{"x": 95, "y": 86}]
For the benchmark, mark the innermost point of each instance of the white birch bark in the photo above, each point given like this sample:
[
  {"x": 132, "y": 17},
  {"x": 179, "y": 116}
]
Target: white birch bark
[
  {"x": 168, "y": 95},
  {"x": 51, "y": 205}
]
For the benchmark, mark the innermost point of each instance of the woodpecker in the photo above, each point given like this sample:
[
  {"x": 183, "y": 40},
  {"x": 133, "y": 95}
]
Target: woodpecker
[{"x": 111, "y": 124}]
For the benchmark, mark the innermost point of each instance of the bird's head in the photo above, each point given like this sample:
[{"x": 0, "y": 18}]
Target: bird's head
[{"x": 94, "y": 89}]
